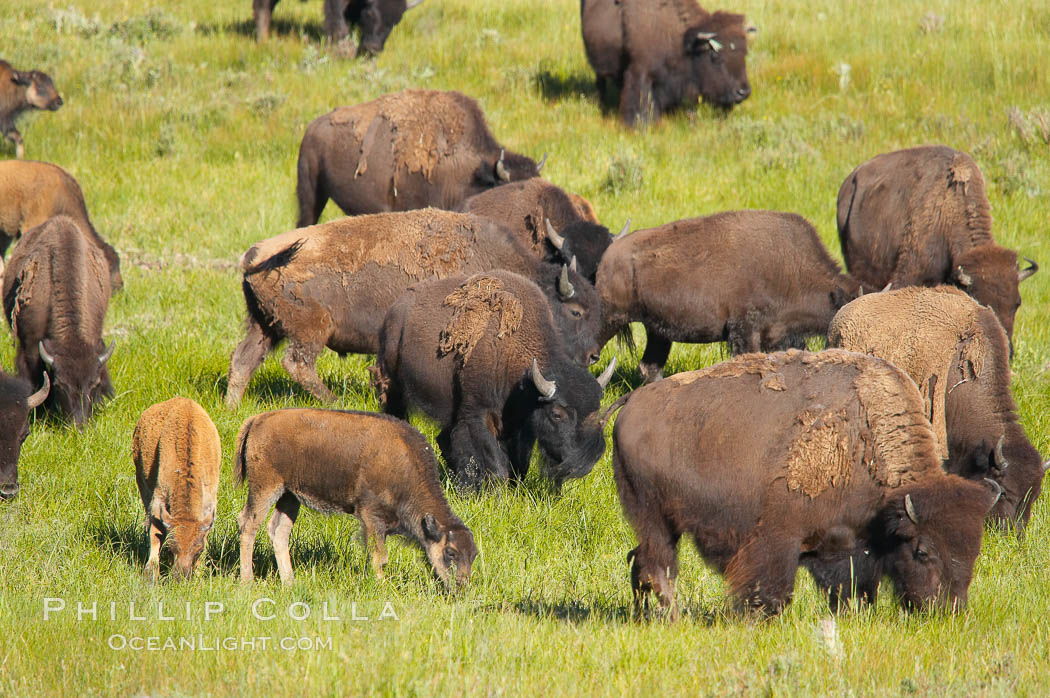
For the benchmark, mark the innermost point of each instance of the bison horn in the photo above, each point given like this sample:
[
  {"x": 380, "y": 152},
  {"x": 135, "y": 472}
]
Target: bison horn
[
  {"x": 705, "y": 36},
  {"x": 1000, "y": 459},
  {"x": 606, "y": 376},
  {"x": 1025, "y": 273},
  {"x": 414, "y": 3},
  {"x": 501, "y": 171},
  {"x": 552, "y": 235},
  {"x": 909, "y": 509},
  {"x": 543, "y": 161},
  {"x": 887, "y": 287},
  {"x": 572, "y": 264},
  {"x": 624, "y": 230},
  {"x": 104, "y": 357},
  {"x": 48, "y": 359},
  {"x": 37, "y": 398},
  {"x": 546, "y": 387},
  {"x": 996, "y": 488},
  {"x": 565, "y": 287},
  {"x": 962, "y": 277},
  {"x": 1046, "y": 465}
]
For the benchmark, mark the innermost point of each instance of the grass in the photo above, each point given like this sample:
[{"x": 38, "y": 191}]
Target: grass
[{"x": 183, "y": 133}]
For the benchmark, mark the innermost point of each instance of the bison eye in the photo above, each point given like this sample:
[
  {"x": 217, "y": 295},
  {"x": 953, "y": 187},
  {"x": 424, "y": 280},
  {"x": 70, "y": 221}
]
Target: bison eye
[
  {"x": 921, "y": 554},
  {"x": 558, "y": 414},
  {"x": 576, "y": 313}
]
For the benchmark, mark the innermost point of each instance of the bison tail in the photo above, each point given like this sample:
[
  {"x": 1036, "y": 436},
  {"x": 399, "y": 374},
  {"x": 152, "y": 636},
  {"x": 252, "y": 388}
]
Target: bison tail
[
  {"x": 240, "y": 462},
  {"x": 625, "y": 336},
  {"x": 274, "y": 261}
]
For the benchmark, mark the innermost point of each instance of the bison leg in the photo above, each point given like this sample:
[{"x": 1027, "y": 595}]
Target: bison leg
[
  {"x": 247, "y": 357},
  {"x": 636, "y": 98},
  {"x": 280, "y": 530},
  {"x": 155, "y": 537},
  {"x": 474, "y": 453},
  {"x": 744, "y": 335},
  {"x": 335, "y": 20},
  {"x": 300, "y": 360},
  {"x": 845, "y": 577},
  {"x": 520, "y": 451},
  {"x": 263, "y": 10},
  {"x": 310, "y": 190},
  {"x": 654, "y": 566},
  {"x": 248, "y": 522},
  {"x": 657, "y": 349},
  {"x": 15, "y": 137},
  {"x": 762, "y": 573},
  {"x": 374, "y": 531}
]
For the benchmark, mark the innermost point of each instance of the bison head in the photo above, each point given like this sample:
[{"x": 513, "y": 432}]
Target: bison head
[
  {"x": 582, "y": 240},
  {"x": 930, "y": 537},
  {"x": 507, "y": 167},
  {"x": 716, "y": 51},
  {"x": 566, "y": 422},
  {"x": 377, "y": 18},
  {"x": 78, "y": 378},
  {"x": 188, "y": 538},
  {"x": 40, "y": 91},
  {"x": 15, "y": 404},
  {"x": 576, "y": 308},
  {"x": 1017, "y": 467},
  {"x": 990, "y": 275},
  {"x": 450, "y": 549}
]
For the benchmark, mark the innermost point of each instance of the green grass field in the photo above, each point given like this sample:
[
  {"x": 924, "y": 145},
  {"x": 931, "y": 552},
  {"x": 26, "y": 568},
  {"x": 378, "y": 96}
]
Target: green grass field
[{"x": 183, "y": 134}]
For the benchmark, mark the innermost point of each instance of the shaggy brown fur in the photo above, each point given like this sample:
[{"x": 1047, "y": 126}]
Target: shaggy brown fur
[
  {"x": 760, "y": 280},
  {"x": 920, "y": 217},
  {"x": 21, "y": 90},
  {"x": 56, "y": 292},
  {"x": 373, "y": 466},
  {"x": 31, "y": 192},
  {"x": 956, "y": 351},
  {"x": 177, "y": 457},
  {"x": 475, "y": 304},
  {"x": 812, "y": 474}
]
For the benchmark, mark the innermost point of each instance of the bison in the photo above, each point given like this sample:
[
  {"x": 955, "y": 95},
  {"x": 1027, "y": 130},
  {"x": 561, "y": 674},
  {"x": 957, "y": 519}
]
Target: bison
[
  {"x": 21, "y": 90},
  {"x": 31, "y": 192},
  {"x": 373, "y": 466},
  {"x": 177, "y": 456},
  {"x": 56, "y": 292},
  {"x": 331, "y": 284},
  {"x": 402, "y": 151},
  {"x": 481, "y": 355},
  {"x": 795, "y": 458},
  {"x": 547, "y": 219},
  {"x": 760, "y": 280},
  {"x": 16, "y": 402},
  {"x": 958, "y": 354},
  {"x": 375, "y": 18},
  {"x": 920, "y": 217},
  {"x": 663, "y": 55}
]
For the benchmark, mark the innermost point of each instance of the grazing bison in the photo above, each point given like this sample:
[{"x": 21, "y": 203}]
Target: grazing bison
[
  {"x": 482, "y": 356},
  {"x": 331, "y": 284},
  {"x": 31, "y": 192},
  {"x": 547, "y": 219},
  {"x": 56, "y": 292},
  {"x": 21, "y": 90},
  {"x": 177, "y": 456},
  {"x": 920, "y": 217},
  {"x": 375, "y": 18},
  {"x": 666, "y": 54},
  {"x": 760, "y": 280},
  {"x": 402, "y": 151},
  {"x": 957, "y": 353},
  {"x": 16, "y": 403},
  {"x": 375, "y": 467},
  {"x": 774, "y": 461}
]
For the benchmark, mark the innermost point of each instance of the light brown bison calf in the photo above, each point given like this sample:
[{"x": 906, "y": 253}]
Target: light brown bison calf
[
  {"x": 21, "y": 90},
  {"x": 375, "y": 467},
  {"x": 177, "y": 456}
]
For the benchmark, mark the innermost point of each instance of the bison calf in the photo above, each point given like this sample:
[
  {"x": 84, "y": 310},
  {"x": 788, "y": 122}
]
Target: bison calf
[
  {"x": 16, "y": 403},
  {"x": 21, "y": 90},
  {"x": 177, "y": 457},
  {"x": 957, "y": 353},
  {"x": 760, "y": 280},
  {"x": 772, "y": 461},
  {"x": 375, "y": 467}
]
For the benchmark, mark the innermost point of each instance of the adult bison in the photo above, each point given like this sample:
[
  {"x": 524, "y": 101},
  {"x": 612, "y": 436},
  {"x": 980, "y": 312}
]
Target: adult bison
[
  {"x": 483, "y": 357},
  {"x": 332, "y": 284},
  {"x": 774, "y": 461},
  {"x": 547, "y": 219},
  {"x": 56, "y": 292},
  {"x": 376, "y": 19},
  {"x": 760, "y": 280},
  {"x": 957, "y": 353},
  {"x": 16, "y": 402},
  {"x": 402, "y": 151},
  {"x": 31, "y": 192},
  {"x": 662, "y": 55},
  {"x": 21, "y": 90},
  {"x": 920, "y": 217}
]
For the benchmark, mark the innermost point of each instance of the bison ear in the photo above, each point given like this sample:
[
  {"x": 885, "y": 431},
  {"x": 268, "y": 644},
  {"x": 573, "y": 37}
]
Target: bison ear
[
  {"x": 961, "y": 277},
  {"x": 900, "y": 517},
  {"x": 431, "y": 530},
  {"x": 995, "y": 490},
  {"x": 20, "y": 78},
  {"x": 839, "y": 297},
  {"x": 700, "y": 42}
]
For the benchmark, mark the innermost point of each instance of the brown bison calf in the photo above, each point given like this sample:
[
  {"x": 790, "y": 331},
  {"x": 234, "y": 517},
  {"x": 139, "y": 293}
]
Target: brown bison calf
[
  {"x": 16, "y": 403},
  {"x": 775, "y": 461},
  {"x": 760, "y": 280},
  {"x": 31, "y": 192},
  {"x": 920, "y": 217},
  {"x": 958, "y": 354},
  {"x": 373, "y": 466},
  {"x": 177, "y": 457},
  {"x": 21, "y": 90}
]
